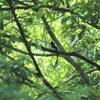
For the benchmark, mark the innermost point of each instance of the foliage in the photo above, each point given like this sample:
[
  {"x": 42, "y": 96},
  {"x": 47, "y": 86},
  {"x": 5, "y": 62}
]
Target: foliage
[{"x": 31, "y": 67}]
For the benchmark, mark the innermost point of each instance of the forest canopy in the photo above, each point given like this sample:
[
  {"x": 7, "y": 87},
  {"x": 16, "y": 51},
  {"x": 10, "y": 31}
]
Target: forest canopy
[{"x": 49, "y": 49}]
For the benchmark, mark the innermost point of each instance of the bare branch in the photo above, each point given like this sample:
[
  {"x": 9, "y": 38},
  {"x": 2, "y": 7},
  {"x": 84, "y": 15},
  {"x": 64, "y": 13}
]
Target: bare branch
[
  {"x": 78, "y": 75},
  {"x": 74, "y": 54},
  {"x": 39, "y": 73},
  {"x": 60, "y": 47}
]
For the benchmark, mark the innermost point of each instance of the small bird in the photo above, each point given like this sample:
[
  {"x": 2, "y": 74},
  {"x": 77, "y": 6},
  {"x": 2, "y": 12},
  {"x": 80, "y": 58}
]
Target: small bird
[{"x": 53, "y": 45}]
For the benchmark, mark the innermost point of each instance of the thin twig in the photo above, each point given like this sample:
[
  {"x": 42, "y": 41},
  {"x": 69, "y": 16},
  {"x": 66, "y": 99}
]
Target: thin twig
[{"x": 76, "y": 75}]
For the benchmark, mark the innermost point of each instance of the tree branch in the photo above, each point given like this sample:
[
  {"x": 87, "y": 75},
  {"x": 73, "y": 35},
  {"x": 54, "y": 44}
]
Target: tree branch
[
  {"x": 73, "y": 54},
  {"x": 76, "y": 75},
  {"x": 39, "y": 73},
  {"x": 26, "y": 53},
  {"x": 60, "y": 47},
  {"x": 62, "y": 10}
]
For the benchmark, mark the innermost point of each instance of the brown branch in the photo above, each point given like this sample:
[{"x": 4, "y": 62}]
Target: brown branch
[
  {"x": 62, "y": 10},
  {"x": 60, "y": 47},
  {"x": 26, "y": 53},
  {"x": 78, "y": 75},
  {"x": 83, "y": 97},
  {"x": 73, "y": 54},
  {"x": 39, "y": 73},
  {"x": 60, "y": 54},
  {"x": 26, "y": 79},
  {"x": 23, "y": 36}
]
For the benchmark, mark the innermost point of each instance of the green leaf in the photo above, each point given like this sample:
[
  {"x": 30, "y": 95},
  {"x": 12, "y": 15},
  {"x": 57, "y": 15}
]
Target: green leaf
[{"x": 39, "y": 13}]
